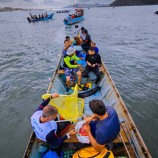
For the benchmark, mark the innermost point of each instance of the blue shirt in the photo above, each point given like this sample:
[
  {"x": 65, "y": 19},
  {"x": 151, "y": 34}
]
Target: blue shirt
[
  {"x": 107, "y": 129},
  {"x": 96, "y": 50}
]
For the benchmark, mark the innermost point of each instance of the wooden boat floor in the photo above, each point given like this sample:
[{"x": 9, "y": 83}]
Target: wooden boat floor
[
  {"x": 63, "y": 71},
  {"x": 75, "y": 140}
]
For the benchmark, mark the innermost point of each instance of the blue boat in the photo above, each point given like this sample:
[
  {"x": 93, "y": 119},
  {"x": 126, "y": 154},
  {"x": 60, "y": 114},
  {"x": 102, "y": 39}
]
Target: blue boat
[
  {"x": 70, "y": 21},
  {"x": 50, "y": 16}
]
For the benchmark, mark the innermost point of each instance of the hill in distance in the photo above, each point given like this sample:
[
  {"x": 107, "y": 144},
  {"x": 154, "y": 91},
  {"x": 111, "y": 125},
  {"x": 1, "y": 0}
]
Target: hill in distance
[{"x": 133, "y": 2}]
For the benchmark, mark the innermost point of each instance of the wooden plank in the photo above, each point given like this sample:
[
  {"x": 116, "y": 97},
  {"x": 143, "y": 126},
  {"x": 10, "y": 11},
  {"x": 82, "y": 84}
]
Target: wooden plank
[
  {"x": 60, "y": 71},
  {"x": 63, "y": 71}
]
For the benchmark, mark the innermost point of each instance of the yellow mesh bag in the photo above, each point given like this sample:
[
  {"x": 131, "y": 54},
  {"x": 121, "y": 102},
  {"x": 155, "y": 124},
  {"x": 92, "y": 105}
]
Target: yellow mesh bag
[{"x": 70, "y": 107}]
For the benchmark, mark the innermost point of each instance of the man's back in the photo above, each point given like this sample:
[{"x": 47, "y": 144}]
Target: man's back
[
  {"x": 42, "y": 129},
  {"x": 107, "y": 129}
]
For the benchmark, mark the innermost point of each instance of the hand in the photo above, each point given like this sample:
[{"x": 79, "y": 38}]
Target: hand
[
  {"x": 89, "y": 64},
  {"x": 79, "y": 66},
  {"x": 87, "y": 129},
  {"x": 93, "y": 65},
  {"x": 87, "y": 120},
  {"x": 81, "y": 58},
  {"x": 55, "y": 95},
  {"x": 72, "y": 132}
]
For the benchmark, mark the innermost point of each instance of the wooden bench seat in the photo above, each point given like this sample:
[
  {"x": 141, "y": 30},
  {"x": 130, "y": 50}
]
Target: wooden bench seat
[{"x": 63, "y": 71}]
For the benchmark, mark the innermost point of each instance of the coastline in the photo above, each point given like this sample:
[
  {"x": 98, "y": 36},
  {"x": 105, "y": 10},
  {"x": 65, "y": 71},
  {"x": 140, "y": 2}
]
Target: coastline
[{"x": 10, "y": 9}]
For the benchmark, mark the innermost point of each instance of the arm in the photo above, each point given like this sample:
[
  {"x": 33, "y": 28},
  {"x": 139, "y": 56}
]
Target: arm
[
  {"x": 67, "y": 62},
  {"x": 56, "y": 141},
  {"x": 76, "y": 58},
  {"x": 89, "y": 119},
  {"x": 99, "y": 59},
  {"x": 53, "y": 140},
  {"x": 96, "y": 146},
  {"x": 45, "y": 102},
  {"x": 89, "y": 64}
]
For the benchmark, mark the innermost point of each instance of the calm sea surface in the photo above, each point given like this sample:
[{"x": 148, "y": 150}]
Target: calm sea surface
[{"x": 128, "y": 41}]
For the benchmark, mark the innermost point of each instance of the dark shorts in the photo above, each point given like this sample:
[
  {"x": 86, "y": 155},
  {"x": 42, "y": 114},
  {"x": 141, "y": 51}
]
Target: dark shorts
[{"x": 69, "y": 72}]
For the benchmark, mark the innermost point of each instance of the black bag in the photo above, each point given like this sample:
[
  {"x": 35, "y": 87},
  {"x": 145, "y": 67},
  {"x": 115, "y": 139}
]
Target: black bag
[{"x": 89, "y": 92}]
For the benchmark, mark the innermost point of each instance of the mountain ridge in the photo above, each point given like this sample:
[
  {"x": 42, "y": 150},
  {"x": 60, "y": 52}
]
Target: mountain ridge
[{"x": 133, "y": 2}]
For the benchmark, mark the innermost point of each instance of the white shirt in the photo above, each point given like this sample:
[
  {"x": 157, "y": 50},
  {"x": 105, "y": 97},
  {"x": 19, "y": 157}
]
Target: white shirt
[
  {"x": 42, "y": 129},
  {"x": 76, "y": 32},
  {"x": 82, "y": 36}
]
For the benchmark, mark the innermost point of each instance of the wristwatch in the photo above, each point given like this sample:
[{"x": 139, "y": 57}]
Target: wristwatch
[{"x": 68, "y": 136}]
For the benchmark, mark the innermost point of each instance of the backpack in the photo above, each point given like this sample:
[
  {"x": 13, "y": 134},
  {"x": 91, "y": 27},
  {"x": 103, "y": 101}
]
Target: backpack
[{"x": 89, "y": 152}]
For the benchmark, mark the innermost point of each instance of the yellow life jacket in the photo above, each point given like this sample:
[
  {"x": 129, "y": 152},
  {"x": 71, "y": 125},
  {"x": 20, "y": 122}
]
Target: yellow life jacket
[{"x": 89, "y": 152}]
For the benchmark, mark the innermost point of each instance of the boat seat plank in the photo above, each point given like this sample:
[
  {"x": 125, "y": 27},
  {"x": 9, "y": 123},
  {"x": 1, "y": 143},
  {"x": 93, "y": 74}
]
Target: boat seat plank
[
  {"x": 63, "y": 71},
  {"x": 72, "y": 138}
]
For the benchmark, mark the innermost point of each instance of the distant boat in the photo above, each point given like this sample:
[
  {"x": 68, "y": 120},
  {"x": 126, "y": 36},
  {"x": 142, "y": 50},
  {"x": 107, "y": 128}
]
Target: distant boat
[
  {"x": 70, "y": 21},
  {"x": 49, "y": 16},
  {"x": 62, "y": 11}
]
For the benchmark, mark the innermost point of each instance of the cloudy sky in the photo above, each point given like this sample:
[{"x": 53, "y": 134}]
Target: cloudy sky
[{"x": 47, "y": 3}]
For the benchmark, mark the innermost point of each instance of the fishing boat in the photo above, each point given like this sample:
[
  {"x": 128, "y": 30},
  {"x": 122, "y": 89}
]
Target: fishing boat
[
  {"x": 49, "y": 16},
  {"x": 62, "y": 11},
  {"x": 70, "y": 21},
  {"x": 128, "y": 144}
]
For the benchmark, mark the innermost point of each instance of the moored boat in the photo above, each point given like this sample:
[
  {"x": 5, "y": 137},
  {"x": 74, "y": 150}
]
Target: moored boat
[
  {"x": 49, "y": 16},
  {"x": 70, "y": 21},
  {"x": 74, "y": 18},
  {"x": 129, "y": 143}
]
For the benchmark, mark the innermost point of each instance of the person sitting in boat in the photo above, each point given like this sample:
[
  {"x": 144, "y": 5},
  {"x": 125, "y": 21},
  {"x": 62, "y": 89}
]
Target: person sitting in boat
[
  {"x": 45, "y": 15},
  {"x": 72, "y": 16},
  {"x": 86, "y": 43},
  {"x": 35, "y": 17},
  {"x": 45, "y": 127},
  {"x": 93, "y": 63},
  {"x": 72, "y": 67},
  {"x": 67, "y": 44},
  {"x": 42, "y": 16},
  {"x": 95, "y": 48},
  {"x": 76, "y": 30},
  {"x": 82, "y": 36},
  {"x": 103, "y": 127}
]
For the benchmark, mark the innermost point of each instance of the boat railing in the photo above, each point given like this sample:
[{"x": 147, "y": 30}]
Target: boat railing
[{"x": 132, "y": 142}]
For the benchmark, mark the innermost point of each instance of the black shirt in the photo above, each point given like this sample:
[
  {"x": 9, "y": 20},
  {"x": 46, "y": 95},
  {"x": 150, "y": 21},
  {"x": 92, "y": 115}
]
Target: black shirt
[{"x": 93, "y": 59}]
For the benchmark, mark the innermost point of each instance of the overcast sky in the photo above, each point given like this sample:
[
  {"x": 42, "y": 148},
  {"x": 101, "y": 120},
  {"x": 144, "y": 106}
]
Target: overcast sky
[{"x": 47, "y": 3}]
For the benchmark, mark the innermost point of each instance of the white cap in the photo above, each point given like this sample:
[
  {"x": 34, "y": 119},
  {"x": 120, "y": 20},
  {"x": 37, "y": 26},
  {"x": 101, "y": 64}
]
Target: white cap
[{"x": 70, "y": 51}]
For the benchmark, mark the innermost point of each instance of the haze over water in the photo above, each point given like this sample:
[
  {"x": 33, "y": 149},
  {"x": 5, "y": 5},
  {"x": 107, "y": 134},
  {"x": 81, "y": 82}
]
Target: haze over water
[{"x": 128, "y": 41}]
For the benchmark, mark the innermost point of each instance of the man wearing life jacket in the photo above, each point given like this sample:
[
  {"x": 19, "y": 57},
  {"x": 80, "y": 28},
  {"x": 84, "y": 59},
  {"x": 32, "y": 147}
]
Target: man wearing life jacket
[
  {"x": 71, "y": 67},
  {"x": 105, "y": 128},
  {"x": 93, "y": 62},
  {"x": 45, "y": 127}
]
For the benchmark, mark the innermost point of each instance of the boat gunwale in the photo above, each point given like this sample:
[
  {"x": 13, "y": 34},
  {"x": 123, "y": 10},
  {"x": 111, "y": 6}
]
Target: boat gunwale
[{"x": 128, "y": 115}]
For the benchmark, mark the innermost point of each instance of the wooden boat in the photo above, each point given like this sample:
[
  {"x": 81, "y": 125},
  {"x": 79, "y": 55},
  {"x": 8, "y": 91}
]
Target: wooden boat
[
  {"x": 70, "y": 21},
  {"x": 62, "y": 11},
  {"x": 129, "y": 143},
  {"x": 50, "y": 16}
]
